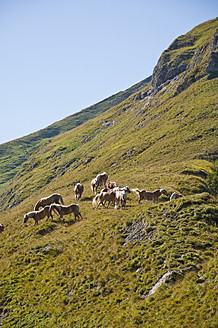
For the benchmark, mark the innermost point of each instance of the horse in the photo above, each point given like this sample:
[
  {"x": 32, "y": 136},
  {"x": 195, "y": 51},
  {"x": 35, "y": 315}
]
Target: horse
[
  {"x": 175, "y": 196},
  {"x": 54, "y": 198},
  {"x": 94, "y": 186},
  {"x": 38, "y": 215},
  {"x": 98, "y": 181},
  {"x": 149, "y": 195},
  {"x": 111, "y": 185},
  {"x": 102, "y": 179},
  {"x": 121, "y": 196},
  {"x": 78, "y": 191},
  {"x": 64, "y": 210},
  {"x": 1, "y": 227},
  {"x": 103, "y": 197},
  {"x": 126, "y": 189}
]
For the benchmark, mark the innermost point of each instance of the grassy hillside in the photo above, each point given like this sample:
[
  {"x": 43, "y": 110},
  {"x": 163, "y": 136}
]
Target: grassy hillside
[
  {"x": 152, "y": 265},
  {"x": 16, "y": 152}
]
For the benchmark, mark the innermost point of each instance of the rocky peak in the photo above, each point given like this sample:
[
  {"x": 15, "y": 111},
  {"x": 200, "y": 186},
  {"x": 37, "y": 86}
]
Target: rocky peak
[{"x": 191, "y": 57}]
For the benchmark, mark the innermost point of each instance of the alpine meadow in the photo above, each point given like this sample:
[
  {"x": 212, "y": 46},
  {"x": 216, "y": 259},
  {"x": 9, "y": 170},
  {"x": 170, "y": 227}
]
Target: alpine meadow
[{"x": 148, "y": 264}]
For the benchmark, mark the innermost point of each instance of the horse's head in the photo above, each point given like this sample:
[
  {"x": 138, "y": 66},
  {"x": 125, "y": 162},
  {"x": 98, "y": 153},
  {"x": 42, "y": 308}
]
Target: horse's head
[
  {"x": 164, "y": 192},
  {"x": 126, "y": 189},
  {"x": 25, "y": 218}
]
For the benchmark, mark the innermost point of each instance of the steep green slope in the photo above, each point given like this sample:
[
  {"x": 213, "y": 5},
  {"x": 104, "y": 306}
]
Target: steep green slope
[
  {"x": 130, "y": 141},
  {"x": 152, "y": 265},
  {"x": 16, "y": 152}
]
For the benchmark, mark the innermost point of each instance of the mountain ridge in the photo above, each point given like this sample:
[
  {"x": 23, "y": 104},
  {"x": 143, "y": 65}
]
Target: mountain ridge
[{"x": 16, "y": 152}]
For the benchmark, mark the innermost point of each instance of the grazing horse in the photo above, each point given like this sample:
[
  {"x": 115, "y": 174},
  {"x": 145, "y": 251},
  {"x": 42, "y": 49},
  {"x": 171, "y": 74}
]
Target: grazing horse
[
  {"x": 64, "y": 210},
  {"x": 54, "y": 198},
  {"x": 175, "y": 196},
  {"x": 38, "y": 215},
  {"x": 121, "y": 196},
  {"x": 1, "y": 227},
  {"x": 126, "y": 189},
  {"x": 149, "y": 195},
  {"x": 102, "y": 179},
  {"x": 104, "y": 196},
  {"x": 99, "y": 181},
  {"x": 78, "y": 191}
]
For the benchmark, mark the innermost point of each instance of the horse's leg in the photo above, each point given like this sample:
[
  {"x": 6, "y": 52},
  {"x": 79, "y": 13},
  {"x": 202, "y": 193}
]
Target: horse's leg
[{"x": 99, "y": 204}]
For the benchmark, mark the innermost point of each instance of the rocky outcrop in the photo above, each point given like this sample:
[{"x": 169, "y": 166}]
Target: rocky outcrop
[
  {"x": 191, "y": 57},
  {"x": 212, "y": 66}
]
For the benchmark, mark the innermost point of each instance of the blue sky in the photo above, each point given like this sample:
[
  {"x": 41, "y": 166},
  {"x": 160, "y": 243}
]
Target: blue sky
[{"x": 60, "y": 56}]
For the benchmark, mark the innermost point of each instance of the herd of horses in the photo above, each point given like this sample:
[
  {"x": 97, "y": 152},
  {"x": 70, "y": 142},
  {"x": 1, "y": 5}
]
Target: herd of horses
[{"x": 110, "y": 194}]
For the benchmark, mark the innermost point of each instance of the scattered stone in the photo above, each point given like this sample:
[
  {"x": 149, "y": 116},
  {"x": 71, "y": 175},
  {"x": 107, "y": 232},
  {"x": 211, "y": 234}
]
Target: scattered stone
[{"x": 137, "y": 232}]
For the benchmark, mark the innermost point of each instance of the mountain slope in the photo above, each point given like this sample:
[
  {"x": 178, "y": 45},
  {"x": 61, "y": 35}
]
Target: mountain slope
[
  {"x": 16, "y": 152},
  {"x": 152, "y": 265}
]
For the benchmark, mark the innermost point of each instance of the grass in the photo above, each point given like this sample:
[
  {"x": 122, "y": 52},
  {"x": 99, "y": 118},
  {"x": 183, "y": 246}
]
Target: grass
[
  {"x": 98, "y": 272},
  {"x": 16, "y": 152},
  {"x": 83, "y": 274}
]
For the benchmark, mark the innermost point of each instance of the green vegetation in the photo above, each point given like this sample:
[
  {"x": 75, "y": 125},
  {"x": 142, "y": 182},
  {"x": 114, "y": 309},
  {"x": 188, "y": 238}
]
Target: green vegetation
[
  {"x": 16, "y": 152},
  {"x": 106, "y": 270}
]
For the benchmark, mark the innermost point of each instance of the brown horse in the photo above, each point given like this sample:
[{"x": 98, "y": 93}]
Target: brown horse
[
  {"x": 149, "y": 195},
  {"x": 78, "y": 191},
  {"x": 62, "y": 210},
  {"x": 38, "y": 215},
  {"x": 54, "y": 198}
]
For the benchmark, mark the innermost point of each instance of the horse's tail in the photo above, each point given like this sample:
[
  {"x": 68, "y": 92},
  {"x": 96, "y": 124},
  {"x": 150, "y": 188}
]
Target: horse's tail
[
  {"x": 61, "y": 199},
  {"x": 37, "y": 206},
  {"x": 95, "y": 200},
  {"x": 136, "y": 191},
  {"x": 93, "y": 185}
]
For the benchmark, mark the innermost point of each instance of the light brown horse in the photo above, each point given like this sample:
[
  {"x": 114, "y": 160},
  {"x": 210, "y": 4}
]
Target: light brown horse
[
  {"x": 94, "y": 186},
  {"x": 111, "y": 185},
  {"x": 99, "y": 181},
  {"x": 54, "y": 198},
  {"x": 120, "y": 199},
  {"x": 104, "y": 196},
  {"x": 38, "y": 215},
  {"x": 149, "y": 195},
  {"x": 121, "y": 196},
  {"x": 78, "y": 191},
  {"x": 62, "y": 210}
]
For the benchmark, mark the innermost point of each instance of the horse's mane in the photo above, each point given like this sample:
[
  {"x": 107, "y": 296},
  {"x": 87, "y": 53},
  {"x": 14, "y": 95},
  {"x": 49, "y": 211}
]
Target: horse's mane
[{"x": 37, "y": 205}]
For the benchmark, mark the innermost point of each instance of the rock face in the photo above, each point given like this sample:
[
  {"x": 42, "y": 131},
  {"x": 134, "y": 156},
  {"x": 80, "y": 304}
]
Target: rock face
[
  {"x": 212, "y": 67},
  {"x": 191, "y": 57}
]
